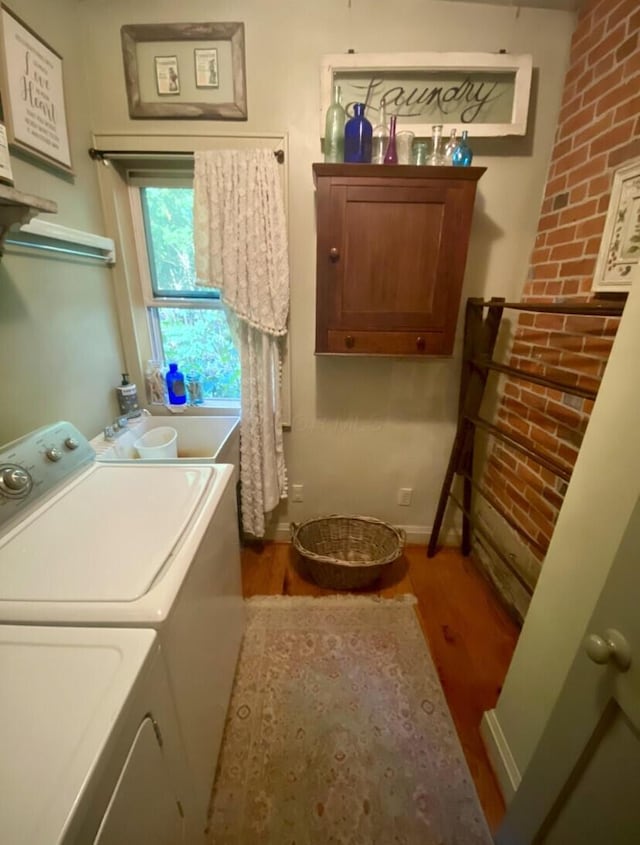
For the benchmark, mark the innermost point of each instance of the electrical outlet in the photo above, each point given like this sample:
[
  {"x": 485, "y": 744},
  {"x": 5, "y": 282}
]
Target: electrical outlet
[
  {"x": 404, "y": 496},
  {"x": 297, "y": 493}
]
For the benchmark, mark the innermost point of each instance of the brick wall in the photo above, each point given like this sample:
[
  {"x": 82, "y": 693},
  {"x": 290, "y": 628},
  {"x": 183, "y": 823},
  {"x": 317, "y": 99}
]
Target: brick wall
[{"x": 598, "y": 130}]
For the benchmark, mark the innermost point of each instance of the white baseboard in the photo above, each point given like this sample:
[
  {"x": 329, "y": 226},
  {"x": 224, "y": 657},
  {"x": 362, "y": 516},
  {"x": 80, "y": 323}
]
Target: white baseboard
[
  {"x": 500, "y": 757},
  {"x": 416, "y": 534}
]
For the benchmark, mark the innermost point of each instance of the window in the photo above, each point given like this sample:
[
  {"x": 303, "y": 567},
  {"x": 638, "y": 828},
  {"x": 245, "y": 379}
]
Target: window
[{"x": 187, "y": 323}]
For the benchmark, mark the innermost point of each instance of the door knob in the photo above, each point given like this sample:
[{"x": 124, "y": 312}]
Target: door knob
[
  {"x": 334, "y": 253},
  {"x": 612, "y": 648}
]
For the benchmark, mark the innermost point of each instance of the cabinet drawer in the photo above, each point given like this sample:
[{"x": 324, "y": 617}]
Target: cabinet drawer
[{"x": 385, "y": 343}]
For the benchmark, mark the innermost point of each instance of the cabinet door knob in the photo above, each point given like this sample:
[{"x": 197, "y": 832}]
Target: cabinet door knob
[
  {"x": 349, "y": 341},
  {"x": 420, "y": 344},
  {"x": 334, "y": 253}
]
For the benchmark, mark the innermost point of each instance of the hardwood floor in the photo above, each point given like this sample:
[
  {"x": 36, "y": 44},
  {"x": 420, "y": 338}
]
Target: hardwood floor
[{"x": 470, "y": 635}]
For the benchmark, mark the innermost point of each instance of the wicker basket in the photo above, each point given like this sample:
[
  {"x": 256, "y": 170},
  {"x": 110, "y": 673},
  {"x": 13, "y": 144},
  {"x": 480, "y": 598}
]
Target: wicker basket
[{"x": 346, "y": 552}]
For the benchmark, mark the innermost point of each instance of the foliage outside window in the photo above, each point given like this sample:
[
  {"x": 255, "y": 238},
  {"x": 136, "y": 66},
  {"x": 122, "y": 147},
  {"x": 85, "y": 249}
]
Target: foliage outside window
[{"x": 188, "y": 323}]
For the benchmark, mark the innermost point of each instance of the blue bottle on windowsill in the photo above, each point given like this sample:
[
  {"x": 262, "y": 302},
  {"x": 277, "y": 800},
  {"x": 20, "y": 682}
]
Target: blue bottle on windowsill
[{"x": 175, "y": 386}]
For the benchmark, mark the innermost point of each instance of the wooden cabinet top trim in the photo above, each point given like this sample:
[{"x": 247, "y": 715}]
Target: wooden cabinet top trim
[{"x": 396, "y": 171}]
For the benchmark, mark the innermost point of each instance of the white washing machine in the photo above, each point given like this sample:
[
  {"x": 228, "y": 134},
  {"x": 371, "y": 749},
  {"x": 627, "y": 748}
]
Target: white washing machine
[
  {"x": 91, "y": 750},
  {"x": 153, "y": 546}
]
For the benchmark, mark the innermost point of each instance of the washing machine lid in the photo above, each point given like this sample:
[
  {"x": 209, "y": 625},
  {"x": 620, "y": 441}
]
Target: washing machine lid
[
  {"x": 61, "y": 691},
  {"x": 104, "y": 537}
]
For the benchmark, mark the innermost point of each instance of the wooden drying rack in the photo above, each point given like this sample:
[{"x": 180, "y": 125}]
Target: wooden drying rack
[{"x": 480, "y": 336}]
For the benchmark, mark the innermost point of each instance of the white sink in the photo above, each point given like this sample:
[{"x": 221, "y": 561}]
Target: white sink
[{"x": 214, "y": 439}]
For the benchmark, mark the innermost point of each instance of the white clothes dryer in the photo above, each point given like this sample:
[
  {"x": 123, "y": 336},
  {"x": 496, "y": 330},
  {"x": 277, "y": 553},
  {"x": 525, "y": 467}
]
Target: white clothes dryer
[
  {"x": 91, "y": 749},
  {"x": 90, "y": 544}
]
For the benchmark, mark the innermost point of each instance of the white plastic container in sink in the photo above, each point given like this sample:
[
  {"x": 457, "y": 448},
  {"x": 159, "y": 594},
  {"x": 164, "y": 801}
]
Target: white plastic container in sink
[{"x": 213, "y": 439}]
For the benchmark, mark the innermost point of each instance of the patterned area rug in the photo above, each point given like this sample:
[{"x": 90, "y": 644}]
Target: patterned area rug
[{"x": 338, "y": 732}]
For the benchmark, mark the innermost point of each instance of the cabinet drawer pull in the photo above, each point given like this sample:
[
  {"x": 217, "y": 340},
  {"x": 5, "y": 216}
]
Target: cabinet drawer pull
[
  {"x": 334, "y": 253},
  {"x": 420, "y": 344},
  {"x": 349, "y": 341}
]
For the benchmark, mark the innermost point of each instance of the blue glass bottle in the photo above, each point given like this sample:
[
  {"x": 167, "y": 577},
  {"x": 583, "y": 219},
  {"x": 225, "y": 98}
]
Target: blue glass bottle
[
  {"x": 175, "y": 386},
  {"x": 357, "y": 137},
  {"x": 462, "y": 156}
]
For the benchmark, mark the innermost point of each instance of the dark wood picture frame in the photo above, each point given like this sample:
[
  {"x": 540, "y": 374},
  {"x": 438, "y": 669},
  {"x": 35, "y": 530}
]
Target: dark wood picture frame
[{"x": 181, "y": 108}]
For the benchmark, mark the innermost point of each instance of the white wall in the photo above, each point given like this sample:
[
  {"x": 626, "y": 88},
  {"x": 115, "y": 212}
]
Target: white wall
[
  {"x": 59, "y": 341},
  {"x": 362, "y": 427}
]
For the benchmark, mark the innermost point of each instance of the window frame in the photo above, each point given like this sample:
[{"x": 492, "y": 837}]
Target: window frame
[
  {"x": 134, "y": 157},
  {"x": 152, "y": 301}
]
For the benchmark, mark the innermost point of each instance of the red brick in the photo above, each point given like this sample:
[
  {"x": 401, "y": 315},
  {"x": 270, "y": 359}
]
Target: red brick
[
  {"x": 533, "y": 400},
  {"x": 608, "y": 44},
  {"x": 582, "y": 267},
  {"x": 549, "y": 221},
  {"x": 550, "y": 321},
  {"x": 627, "y": 47},
  {"x": 554, "y": 498},
  {"x": 622, "y": 11},
  {"x": 568, "y": 454},
  {"x": 592, "y": 226},
  {"x": 540, "y": 256},
  {"x": 583, "y": 42},
  {"x": 602, "y": 86},
  {"x": 570, "y": 288},
  {"x": 595, "y": 129},
  {"x": 570, "y": 342},
  {"x": 600, "y": 185},
  {"x": 561, "y": 235},
  {"x": 544, "y": 439},
  {"x": 592, "y": 246},
  {"x": 587, "y": 167},
  {"x": 526, "y": 319},
  {"x": 625, "y": 153},
  {"x": 618, "y": 136},
  {"x": 631, "y": 108},
  {"x": 539, "y": 505},
  {"x": 553, "y": 288},
  {"x": 570, "y": 250},
  {"x": 588, "y": 382},
  {"x": 578, "y": 193},
  {"x": 598, "y": 346},
  {"x": 615, "y": 96},
  {"x": 564, "y": 414},
  {"x": 546, "y": 271},
  {"x": 562, "y": 148},
  {"x": 544, "y": 524},
  {"x": 585, "y": 324}
]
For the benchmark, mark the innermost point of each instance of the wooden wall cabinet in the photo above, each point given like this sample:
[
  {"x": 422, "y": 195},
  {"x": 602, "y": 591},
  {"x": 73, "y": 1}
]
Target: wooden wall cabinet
[{"x": 391, "y": 252}]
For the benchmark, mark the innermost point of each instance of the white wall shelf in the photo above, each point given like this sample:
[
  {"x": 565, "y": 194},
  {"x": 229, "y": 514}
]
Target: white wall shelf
[{"x": 42, "y": 234}]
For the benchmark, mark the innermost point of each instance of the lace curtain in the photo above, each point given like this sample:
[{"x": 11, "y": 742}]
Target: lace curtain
[{"x": 241, "y": 249}]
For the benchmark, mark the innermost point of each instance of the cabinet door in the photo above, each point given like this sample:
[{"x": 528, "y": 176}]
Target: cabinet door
[{"x": 394, "y": 255}]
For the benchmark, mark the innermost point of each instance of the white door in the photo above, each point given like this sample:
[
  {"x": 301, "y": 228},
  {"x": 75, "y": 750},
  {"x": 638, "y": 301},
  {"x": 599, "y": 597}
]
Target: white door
[{"x": 582, "y": 786}]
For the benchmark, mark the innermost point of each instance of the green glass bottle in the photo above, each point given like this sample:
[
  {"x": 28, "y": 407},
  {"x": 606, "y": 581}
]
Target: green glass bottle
[{"x": 334, "y": 129}]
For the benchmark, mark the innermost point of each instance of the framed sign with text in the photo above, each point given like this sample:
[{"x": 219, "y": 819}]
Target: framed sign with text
[
  {"x": 33, "y": 93},
  {"x": 485, "y": 93}
]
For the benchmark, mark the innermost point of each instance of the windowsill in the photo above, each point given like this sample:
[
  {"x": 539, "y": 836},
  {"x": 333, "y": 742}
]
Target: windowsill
[{"x": 211, "y": 408}]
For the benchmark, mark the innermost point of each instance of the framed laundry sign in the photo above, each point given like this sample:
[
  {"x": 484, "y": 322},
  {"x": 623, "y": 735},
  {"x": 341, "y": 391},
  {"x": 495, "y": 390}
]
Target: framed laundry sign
[
  {"x": 33, "y": 93},
  {"x": 485, "y": 93},
  {"x": 618, "y": 265}
]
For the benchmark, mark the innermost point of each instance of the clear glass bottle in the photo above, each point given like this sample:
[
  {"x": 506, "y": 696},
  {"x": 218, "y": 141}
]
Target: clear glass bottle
[
  {"x": 452, "y": 143},
  {"x": 436, "y": 157},
  {"x": 391, "y": 155},
  {"x": 194, "y": 389},
  {"x": 155, "y": 384},
  {"x": 380, "y": 137},
  {"x": 334, "y": 129},
  {"x": 462, "y": 155},
  {"x": 357, "y": 137}
]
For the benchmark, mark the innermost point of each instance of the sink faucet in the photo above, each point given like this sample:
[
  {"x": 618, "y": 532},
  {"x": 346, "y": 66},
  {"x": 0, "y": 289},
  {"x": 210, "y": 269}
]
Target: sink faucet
[{"x": 117, "y": 427}]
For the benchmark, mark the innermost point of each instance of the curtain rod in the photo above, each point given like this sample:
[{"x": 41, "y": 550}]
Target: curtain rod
[{"x": 103, "y": 155}]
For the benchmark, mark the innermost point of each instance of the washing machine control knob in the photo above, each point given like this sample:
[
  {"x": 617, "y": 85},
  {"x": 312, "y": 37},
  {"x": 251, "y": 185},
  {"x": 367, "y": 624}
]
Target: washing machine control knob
[
  {"x": 71, "y": 443},
  {"x": 53, "y": 454},
  {"x": 15, "y": 482}
]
